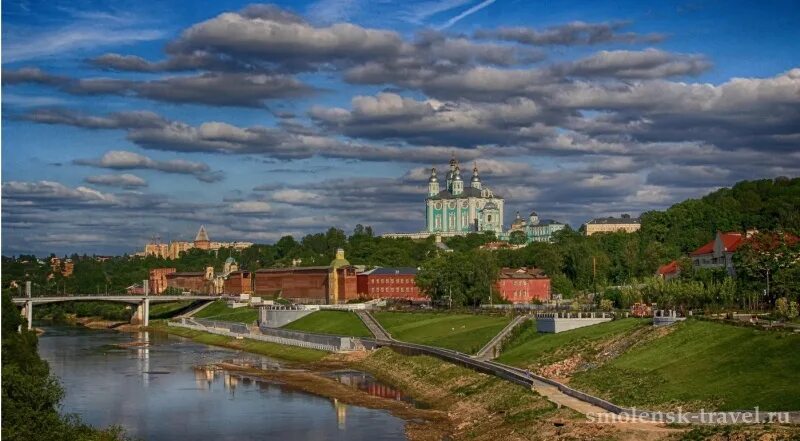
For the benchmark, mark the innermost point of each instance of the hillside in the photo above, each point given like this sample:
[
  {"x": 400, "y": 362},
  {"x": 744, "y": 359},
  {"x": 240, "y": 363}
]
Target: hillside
[
  {"x": 767, "y": 204},
  {"x": 694, "y": 364}
]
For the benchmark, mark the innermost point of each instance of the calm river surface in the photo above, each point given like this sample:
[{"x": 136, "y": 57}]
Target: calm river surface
[{"x": 157, "y": 392}]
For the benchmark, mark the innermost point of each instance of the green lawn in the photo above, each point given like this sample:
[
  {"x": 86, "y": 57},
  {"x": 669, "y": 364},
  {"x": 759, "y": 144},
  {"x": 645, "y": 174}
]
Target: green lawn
[
  {"x": 532, "y": 348},
  {"x": 707, "y": 364},
  {"x": 462, "y": 332},
  {"x": 290, "y": 353},
  {"x": 331, "y": 322},
  {"x": 165, "y": 310},
  {"x": 219, "y": 310}
]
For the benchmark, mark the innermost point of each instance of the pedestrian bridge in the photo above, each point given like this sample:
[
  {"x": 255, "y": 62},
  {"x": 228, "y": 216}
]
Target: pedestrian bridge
[{"x": 140, "y": 317}]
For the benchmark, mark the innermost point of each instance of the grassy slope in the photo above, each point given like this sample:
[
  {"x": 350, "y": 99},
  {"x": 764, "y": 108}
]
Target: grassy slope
[
  {"x": 164, "y": 310},
  {"x": 220, "y": 311},
  {"x": 462, "y": 332},
  {"x": 712, "y": 364},
  {"x": 290, "y": 353},
  {"x": 331, "y": 322},
  {"x": 531, "y": 348}
]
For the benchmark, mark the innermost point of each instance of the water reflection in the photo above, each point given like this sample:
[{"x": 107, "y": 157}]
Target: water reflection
[
  {"x": 162, "y": 387},
  {"x": 367, "y": 383}
]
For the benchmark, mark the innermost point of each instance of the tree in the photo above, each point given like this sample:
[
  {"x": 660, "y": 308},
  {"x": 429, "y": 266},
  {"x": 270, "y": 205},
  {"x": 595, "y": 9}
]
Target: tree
[{"x": 517, "y": 237}]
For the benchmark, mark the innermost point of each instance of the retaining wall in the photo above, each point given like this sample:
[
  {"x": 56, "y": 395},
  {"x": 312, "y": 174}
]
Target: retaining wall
[
  {"x": 275, "y": 318},
  {"x": 559, "y": 322}
]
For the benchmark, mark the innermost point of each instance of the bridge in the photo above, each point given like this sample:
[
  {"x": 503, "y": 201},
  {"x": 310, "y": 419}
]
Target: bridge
[{"x": 143, "y": 301}]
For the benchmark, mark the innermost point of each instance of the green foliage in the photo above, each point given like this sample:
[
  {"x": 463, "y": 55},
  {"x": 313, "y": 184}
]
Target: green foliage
[
  {"x": 517, "y": 237},
  {"x": 331, "y": 322},
  {"x": 462, "y": 332},
  {"x": 468, "y": 277},
  {"x": 30, "y": 395}
]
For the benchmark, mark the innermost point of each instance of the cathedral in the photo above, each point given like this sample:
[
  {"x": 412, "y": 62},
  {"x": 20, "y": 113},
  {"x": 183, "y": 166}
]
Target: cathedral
[{"x": 459, "y": 209}]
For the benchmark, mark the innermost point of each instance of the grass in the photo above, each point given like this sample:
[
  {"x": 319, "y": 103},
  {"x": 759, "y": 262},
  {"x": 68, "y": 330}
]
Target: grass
[
  {"x": 331, "y": 322},
  {"x": 219, "y": 310},
  {"x": 462, "y": 332},
  {"x": 532, "y": 348},
  {"x": 165, "y": 310},
  {"x": 289, "y": 353},
  {"x": 705, "y": 363}
]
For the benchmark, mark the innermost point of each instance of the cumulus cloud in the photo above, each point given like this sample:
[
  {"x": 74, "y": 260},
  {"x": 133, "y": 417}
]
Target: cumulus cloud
[
  {"x": 570, "y": 34},
  {"x": 49, "y": 190},
  {"x": 125, "y": 160},
  {"x": 214, "y": 89},
  {"x": 649, "y": 63},
  {"x": 124, "y": 180}
]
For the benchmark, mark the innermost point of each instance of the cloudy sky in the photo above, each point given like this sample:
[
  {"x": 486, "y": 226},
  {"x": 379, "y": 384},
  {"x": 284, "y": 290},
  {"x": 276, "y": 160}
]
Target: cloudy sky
[{"x": 125, "y": 120}]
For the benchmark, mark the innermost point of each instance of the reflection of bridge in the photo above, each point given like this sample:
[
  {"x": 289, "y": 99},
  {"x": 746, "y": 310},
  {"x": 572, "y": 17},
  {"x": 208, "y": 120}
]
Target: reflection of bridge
[{"x": 140, "y": 317}]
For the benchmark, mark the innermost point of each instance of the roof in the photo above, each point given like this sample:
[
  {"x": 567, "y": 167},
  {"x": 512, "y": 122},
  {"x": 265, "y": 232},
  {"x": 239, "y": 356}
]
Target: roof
[
  {"x": 669, "y": 268},
  {"x": 490, "y": 206},
  {"x": 468, "y": 192},
  {"x": 614, "y": 220},
  {"x": 550, "y": 222},
  {"x": 400, "y": 270},
  {"x": 201, "y": 234},
  {"x": 522, "y": 273},
  {"x": 731, "y": 241}
]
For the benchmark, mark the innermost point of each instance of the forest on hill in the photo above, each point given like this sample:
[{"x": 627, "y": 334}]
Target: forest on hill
[{"x": 575, "y": 262}]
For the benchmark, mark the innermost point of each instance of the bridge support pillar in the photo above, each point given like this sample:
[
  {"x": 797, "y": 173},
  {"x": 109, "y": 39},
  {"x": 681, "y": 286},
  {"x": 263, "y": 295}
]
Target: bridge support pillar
[
  {"x": 27, "y": 312},
  {"x": 142, "y": 314}
]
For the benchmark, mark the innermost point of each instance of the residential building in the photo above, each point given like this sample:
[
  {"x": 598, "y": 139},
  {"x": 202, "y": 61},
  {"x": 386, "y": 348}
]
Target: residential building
[
  {"x": 201, "y": 241},
  {"x": 718, "y": 254},
  {"x": 335, "y": 283},
  {"x": 523, "y": 285},
  {"x": 669, "y": 271},
  {"x": 624, "y": 223},
  {"x": 389, "y": 283}
]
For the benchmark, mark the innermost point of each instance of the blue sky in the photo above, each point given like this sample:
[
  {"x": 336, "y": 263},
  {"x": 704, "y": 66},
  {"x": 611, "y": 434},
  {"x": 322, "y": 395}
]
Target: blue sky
[{"x": 124, "y": 120}]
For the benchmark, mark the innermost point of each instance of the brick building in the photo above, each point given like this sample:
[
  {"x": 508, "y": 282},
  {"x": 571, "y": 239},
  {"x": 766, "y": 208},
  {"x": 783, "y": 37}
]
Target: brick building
[
  {"x": 239, "y": 282},
  {"x": 335, "y": 283},
  {"x": 158, "y": 279},
  {"x": 389, "y": 283},
  {"x": 523, "y": 285}
]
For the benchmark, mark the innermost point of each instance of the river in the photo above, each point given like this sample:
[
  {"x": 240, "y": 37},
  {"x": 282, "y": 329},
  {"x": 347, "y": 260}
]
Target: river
[{"x": 154, "y": 386}]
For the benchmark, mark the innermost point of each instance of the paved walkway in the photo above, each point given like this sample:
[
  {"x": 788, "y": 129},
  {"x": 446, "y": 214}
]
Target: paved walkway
[{"x": 492, "y": 349}]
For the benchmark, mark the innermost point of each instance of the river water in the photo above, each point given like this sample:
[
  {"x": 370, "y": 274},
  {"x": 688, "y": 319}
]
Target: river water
[{"x": 155, "y": 387}]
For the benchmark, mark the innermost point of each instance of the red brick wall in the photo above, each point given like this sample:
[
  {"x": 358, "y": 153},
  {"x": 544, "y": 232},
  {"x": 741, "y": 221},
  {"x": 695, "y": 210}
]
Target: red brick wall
[
  {"x": 158, "y": 279},
  {"x": 309, "y": 286},
  {"x": 524, "y": 290},
  {"x": 239, "y": 282},
  {"x": 188, "y": 283}
]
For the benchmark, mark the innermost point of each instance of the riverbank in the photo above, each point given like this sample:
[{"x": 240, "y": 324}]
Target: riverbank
[{"x": 289, "y": 353}]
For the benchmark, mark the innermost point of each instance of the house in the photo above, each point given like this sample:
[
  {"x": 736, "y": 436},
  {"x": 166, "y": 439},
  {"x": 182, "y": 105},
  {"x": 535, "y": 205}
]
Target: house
[
  {"x": 669, "y": 271},
  {"x": 523, "y": 285},
  {"x": 718, "y": 254}
]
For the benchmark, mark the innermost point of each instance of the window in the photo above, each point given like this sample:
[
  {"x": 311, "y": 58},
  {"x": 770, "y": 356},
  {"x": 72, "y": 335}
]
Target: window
[{"x": 489, "y": 218}]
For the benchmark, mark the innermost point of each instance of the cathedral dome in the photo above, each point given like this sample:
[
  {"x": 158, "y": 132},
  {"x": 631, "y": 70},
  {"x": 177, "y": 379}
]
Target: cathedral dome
[
  {"x": 533, "y": 213},
  {"x": 457, "y": 175},
  {"x": 433, "y": 177}
]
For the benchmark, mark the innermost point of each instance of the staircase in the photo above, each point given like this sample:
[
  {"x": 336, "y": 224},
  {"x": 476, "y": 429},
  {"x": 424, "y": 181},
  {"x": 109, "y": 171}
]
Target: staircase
[
  {"x": 374, "y": 327},
  {"x": 492, "y": 349}
]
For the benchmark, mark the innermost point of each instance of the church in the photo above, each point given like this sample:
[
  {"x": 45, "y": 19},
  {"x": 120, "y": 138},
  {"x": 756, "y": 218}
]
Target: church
[{"x": 459, "y": 209}]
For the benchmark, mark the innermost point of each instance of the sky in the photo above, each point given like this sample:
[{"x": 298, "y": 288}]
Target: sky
[{"x": 124, "y": 121}]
